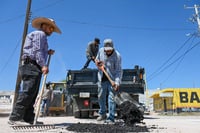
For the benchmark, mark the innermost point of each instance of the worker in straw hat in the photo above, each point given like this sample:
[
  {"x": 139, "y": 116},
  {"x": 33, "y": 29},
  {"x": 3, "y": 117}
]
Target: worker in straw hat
[{"x": 34, "y": 57}]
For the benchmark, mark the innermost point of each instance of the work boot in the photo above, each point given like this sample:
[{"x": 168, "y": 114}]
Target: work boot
[
  {"x": 108, "y": 121},
  {"x": 41, "y": 114},
  {"x": 101, "y": 117},
  {"x": 18, "y": 123}
]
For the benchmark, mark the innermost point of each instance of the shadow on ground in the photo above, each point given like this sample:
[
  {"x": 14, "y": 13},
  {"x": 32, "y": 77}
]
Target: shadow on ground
[{"x": 4, "y": 114}]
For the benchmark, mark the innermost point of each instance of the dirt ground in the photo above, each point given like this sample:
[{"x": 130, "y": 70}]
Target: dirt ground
[{"x": 152, "y": 123}]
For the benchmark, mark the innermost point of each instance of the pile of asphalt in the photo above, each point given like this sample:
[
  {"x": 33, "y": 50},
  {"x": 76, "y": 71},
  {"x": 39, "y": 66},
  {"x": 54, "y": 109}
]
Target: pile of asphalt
[
  {"x": 118, "y": 127},
  {"x": 130, "y": 115}
]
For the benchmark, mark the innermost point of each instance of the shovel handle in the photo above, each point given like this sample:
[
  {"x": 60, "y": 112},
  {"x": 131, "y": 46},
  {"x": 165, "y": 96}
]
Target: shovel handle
[
  {"x": 100, "y": 65},
  {"x": 110, "y": 80},
  {"x": 41, "y": 93}
]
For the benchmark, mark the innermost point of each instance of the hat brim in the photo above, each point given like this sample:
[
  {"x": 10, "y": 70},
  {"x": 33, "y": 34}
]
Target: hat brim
[
  {"x": 36, "y": 23},
  {"x": 108, "y": 48}
]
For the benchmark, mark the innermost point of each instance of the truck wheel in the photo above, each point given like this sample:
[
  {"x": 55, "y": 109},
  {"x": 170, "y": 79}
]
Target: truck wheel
[
  {"x": 77, "y": 114},
  {"x": 84, "y": 114},
  {"x": 69, "y": 110},
  {"x": 76, "y": 111}
]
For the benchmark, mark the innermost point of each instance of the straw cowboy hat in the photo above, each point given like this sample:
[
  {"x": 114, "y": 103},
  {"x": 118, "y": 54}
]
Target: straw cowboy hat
[{"x": 36, "y": 23}]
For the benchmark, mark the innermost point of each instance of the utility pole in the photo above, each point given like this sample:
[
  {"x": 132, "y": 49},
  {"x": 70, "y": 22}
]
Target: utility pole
[
  {"x": 195, "y": 17},
  {"x": 18, "y": 81}
]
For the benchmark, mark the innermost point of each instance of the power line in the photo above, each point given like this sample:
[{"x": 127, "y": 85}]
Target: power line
[
  {"x": 10, "y": 57},
  {"x": 11, "y": 19},
  {"x": 36, "y": 10},
  {"x": 170, "y": 74},
  {"x": 195, "y": 18},
  {"x": 125, "y": 27},
  {"x": 15, "y": 49},
  {"x": 173, "y": 55},
  {"x": 186, "y": 52},
  {"x": 47, "y": 6}
]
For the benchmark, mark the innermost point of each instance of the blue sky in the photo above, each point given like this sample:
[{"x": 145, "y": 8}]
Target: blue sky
[{"x": 148, "y": 33}]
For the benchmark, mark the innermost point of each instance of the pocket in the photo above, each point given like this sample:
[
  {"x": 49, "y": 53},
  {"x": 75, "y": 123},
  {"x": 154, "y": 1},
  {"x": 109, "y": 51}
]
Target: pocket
[{"x": 29, "y": 70}]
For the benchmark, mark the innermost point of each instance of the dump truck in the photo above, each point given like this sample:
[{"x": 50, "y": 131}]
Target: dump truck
[{"x": 82, "y": 88}]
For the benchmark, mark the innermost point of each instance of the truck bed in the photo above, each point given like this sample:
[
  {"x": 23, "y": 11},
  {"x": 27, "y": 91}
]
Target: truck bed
[{"x": 86, "y": 81}]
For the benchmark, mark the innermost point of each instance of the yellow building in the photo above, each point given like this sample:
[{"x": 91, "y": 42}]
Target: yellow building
[{"x": 177, "y": 99}]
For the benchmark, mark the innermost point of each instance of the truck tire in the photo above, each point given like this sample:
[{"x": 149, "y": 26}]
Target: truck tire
[
  {"x": 69, "y": 110},
  {"x": 77, "y": 114},
  {"x": 84, "y": 114}
]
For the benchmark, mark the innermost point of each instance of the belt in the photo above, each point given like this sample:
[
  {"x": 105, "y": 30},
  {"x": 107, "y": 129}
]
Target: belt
[{"x": 28, "y": 60}]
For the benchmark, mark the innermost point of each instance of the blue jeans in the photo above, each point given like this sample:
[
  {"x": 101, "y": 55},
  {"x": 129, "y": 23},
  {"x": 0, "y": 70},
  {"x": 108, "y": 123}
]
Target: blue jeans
[
  {"x": 104, "y": 89},
  {"x": 45, "y": 103}
]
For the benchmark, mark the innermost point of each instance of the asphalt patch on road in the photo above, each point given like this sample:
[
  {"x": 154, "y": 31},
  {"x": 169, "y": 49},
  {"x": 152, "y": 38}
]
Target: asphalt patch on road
[
  {"x": 118, "y": 127},
  {"x": 131, "y": 121}
]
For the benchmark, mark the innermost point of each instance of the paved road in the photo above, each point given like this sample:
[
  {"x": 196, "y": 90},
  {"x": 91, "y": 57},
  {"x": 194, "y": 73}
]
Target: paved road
[{"x": 153, "y": 123}]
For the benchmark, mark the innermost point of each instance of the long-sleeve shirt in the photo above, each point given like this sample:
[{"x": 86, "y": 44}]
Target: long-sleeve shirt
[
  {"x": 91, "y": 50},
  {"x": 36, "y": 47},
  {"x": 112, "y": 65},
  {"x": 47, "y": 94}
]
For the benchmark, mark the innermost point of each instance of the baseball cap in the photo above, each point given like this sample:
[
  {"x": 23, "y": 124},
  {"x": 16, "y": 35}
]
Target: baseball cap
[
  {"x": 108, "y": 44},
  {"x": 97, "y": 40}
]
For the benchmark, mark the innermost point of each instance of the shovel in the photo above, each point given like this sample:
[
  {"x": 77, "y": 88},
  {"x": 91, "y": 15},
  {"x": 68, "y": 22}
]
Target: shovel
[{"x": 120, "y": 97}]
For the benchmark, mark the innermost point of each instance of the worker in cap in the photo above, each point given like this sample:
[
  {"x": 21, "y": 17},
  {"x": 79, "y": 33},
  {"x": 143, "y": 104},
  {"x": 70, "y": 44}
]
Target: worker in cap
[
  {"x": 109, "y": 59},
  {"x": 34, "y": 59},
  {"x": 91, "y": 52},
  {"x": 108, "y": 45}
]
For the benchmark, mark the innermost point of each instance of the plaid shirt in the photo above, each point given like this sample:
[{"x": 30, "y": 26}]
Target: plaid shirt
[
  {"x": 112, "y": 65},
  {"x": 36, "y": 47}
]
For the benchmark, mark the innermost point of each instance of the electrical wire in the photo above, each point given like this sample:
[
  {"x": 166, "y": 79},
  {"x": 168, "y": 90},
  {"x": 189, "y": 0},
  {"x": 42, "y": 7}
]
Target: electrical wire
[
  {"x": 123, "y": 26},
  {"x": 10, "y": 57},
  {"x": 176, "y": 67},
  {"x": 186, "y": 52},
  {"x": 173, "y": 55},
  {"x": 15, "y": 49},
  {"x": 11, "y": 19},
  {"x": 47, "y": 6}
]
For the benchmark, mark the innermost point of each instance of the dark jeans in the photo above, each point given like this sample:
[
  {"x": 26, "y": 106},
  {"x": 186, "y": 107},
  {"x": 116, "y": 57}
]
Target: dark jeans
[
  {"x": 23, "y": 108},
  {"x": 88, "y": 62}
]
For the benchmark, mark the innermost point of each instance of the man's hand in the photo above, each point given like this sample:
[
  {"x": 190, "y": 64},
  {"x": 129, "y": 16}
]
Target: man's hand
[
  {"x": 51, "y": 52},
  {"x": 45, "y": 69},
  {"x": 99, "y": 64},
  {"x": 93, "y": 57},
  {"x": 116, "y": 87}
]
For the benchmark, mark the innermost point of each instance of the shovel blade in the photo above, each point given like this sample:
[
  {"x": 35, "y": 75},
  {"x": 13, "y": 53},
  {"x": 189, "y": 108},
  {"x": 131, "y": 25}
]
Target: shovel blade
[{"x": 123, "y": 97}]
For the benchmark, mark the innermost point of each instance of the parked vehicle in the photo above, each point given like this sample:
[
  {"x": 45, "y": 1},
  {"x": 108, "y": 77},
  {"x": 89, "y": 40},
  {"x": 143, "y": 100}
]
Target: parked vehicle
[{"x": 58, "y": 103}]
